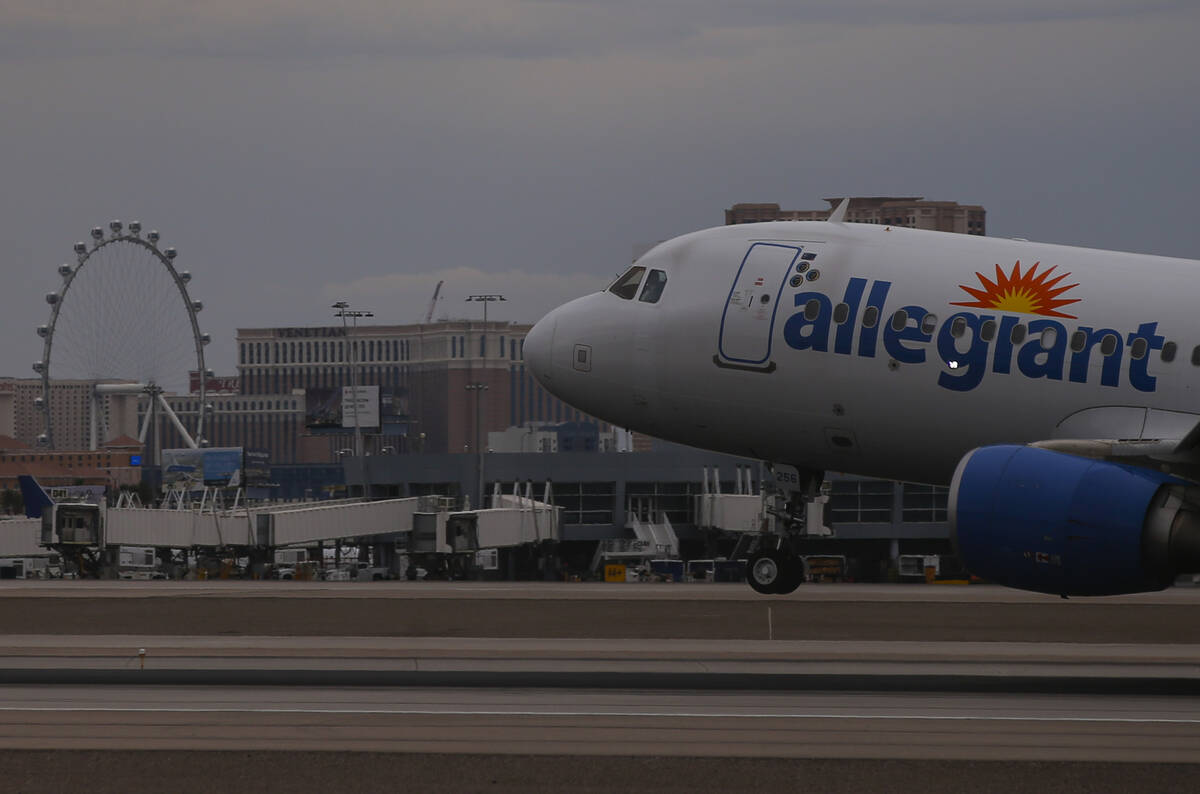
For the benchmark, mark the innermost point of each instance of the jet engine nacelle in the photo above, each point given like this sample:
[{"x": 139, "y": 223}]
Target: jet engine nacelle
[{"x": 1054, "y": 523}]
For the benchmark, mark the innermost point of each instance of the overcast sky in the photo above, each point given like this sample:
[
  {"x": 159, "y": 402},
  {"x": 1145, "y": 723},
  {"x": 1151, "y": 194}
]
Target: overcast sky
[{"x": 299, "y": 152}]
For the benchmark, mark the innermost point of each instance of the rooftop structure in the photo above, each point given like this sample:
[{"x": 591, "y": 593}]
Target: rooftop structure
[
  {"x": 912, "y": 212},
  {"x": 115, "y": 464},
  {"x": 429, "y": 378}
]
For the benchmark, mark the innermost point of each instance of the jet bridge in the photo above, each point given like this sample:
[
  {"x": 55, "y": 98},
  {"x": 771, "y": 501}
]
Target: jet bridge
[
  {"x": 513, "y": 520},
  {"x": 19, "y": 538},
  {"x": 747, "y": 510},
  {"x": 741, "y": 511},
  {"x": 91, "y": 525},
  {"x": 298, "y": 525},
  {"x": 426, "y": 525}
]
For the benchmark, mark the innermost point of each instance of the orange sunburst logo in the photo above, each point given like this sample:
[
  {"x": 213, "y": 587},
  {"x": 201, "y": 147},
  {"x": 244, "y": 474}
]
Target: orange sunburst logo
[{"x": 1026, "y": 293}]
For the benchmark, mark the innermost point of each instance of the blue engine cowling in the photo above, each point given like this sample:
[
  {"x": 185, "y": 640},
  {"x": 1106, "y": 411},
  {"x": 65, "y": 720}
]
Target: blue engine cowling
[{"x": 1055, "y": 523}]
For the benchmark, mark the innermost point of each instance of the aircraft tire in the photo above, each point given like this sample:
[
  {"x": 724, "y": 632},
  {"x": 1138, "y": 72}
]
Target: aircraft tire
[
  {"x": 793, "y": 574},
  {"x": 767, "y": 571}
]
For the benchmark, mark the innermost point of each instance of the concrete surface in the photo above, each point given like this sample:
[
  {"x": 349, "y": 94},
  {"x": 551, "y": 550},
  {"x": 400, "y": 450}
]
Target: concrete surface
[
  {"x": 929, "y": 613},
  {"x": 1112, "y": 732},
  {"x": 199, "y": 772},
  {"x": 618, "y": 722}
]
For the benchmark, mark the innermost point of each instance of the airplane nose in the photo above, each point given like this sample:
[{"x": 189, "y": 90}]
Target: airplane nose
[{"x": 539, "y": 344}]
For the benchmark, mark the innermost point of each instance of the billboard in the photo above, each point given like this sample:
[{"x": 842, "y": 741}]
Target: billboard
[
  {"x": 330, "y": 409},
  {"x": 367, "y": 406},
  {"x": 225, "y": 384},
  {"x": 256, "y": 468},
  {"x": 182, "y": 465},
  {"x": 323, "y": 408},
  {"x": 393, "y": 406},
  {"x": 221, "y": 464},
  {"x": 209, "y": 466}
]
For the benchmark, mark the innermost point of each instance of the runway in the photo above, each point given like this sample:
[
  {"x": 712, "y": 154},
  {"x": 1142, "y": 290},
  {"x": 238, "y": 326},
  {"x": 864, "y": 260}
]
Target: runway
[
  {"x": 545, "y": 687},
  {"x": 322, "y": 739},
  {"x": 585, "y": 722},
  {"x": 591, "y": 611},
  {"x": 561, "y": 591}
]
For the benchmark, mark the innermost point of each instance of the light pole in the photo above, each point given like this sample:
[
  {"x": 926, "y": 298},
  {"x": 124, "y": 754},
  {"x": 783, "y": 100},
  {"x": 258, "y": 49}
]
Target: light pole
[
  {"x": 344, "y": 311},
  {"x": 485, "y": 300},
  {"x": 479, "y": 389}
]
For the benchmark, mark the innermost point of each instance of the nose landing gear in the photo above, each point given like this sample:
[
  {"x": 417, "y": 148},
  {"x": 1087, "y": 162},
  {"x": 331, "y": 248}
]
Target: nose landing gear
[
  {"x": 773, "y": 567},
  {"x": 774, "y": 571}
]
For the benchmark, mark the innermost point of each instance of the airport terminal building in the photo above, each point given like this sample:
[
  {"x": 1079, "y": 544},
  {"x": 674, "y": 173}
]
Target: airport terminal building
[{"x": 601, "y": 493}]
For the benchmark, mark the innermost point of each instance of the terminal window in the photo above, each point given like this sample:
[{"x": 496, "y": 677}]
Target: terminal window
[
  {"x": 923, "y": 504},
  {"x": 861, "y": 502},
  {"x": 676, "y": 499},
  {"x": 585, "y": 502}
]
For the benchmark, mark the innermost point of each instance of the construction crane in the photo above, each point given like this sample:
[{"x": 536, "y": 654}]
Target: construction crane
[{"x": 433, "y": 302}]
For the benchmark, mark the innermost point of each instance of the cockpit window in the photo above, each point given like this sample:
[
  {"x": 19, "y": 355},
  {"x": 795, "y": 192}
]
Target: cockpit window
[
  {"x": 654, "y": 286},
  {"x": 627, "y": 285}
]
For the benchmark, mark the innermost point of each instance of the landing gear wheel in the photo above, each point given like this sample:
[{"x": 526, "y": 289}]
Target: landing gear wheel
[
  {"x": 793, "y": 574},
  {"x": 774, "y": 572},
  {"x": 766, "y": 571}
]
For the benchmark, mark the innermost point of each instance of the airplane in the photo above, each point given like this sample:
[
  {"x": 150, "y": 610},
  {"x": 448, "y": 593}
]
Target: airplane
[
  {"x": 33, "y": 495},
  {"x": 1054, "y": 389}
]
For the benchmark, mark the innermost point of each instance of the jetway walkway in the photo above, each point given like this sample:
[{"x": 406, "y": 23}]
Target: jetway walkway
[
  {"x": 515, "y": 519},
  {"x": 21, "y": 537},
  {"x": 296, "y": 526},
  {"x": 745, "y": 510},
  {"x": 741, "y": 511},
  {"x": 99, "y": 526}
]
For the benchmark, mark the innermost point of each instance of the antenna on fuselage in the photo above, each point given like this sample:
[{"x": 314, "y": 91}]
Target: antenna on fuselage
[{"x": 839, "y": 213}]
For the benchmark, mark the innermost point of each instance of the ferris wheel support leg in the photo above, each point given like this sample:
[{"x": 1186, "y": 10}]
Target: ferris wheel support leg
[
  {"x": 146, "y": 420},
  {"x": 166, "y": 407}
]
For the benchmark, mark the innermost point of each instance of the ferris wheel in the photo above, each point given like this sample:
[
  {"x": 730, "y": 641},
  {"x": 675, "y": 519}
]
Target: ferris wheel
[{"x": 121, "y": 323}]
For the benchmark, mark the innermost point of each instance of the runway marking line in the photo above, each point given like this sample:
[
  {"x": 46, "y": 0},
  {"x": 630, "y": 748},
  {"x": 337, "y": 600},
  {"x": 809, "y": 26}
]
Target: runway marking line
[{"x": 525, "y": 713}]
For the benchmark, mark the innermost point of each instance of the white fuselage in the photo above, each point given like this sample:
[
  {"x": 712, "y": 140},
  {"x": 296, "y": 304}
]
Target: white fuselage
[{"x": 747, "y": 352}]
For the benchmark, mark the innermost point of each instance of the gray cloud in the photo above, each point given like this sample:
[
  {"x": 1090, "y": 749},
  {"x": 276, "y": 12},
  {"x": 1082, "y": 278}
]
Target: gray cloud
[
  {"x": 523, "y": 29},
  {"x": 296, "y": 152}
]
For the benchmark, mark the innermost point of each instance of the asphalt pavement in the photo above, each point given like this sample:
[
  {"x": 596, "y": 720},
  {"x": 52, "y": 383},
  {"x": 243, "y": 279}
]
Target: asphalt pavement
[{"x": 220, "y": 686}]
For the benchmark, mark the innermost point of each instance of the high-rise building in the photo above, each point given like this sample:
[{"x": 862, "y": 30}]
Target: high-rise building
[
  {"x": 913, "y": 212},
  {"x": 423, "y": 371},
  {"x": 274, "y": 422},
  {"x": 22, "y": 418}
]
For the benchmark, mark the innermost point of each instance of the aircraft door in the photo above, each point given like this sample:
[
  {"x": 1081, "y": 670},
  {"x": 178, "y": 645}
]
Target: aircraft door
[{"x": 748, "y": 320}]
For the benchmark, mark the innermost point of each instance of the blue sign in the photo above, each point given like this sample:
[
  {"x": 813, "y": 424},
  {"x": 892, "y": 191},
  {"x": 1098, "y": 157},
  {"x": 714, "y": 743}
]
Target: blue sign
[
  {"x": 220, "y": 463},
  {"x": 135, "y": 460}
]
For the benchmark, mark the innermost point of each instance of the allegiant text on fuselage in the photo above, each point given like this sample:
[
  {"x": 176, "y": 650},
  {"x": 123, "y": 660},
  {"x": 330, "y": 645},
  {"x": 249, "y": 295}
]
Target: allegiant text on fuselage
[{"x": 970, "y": 344}]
